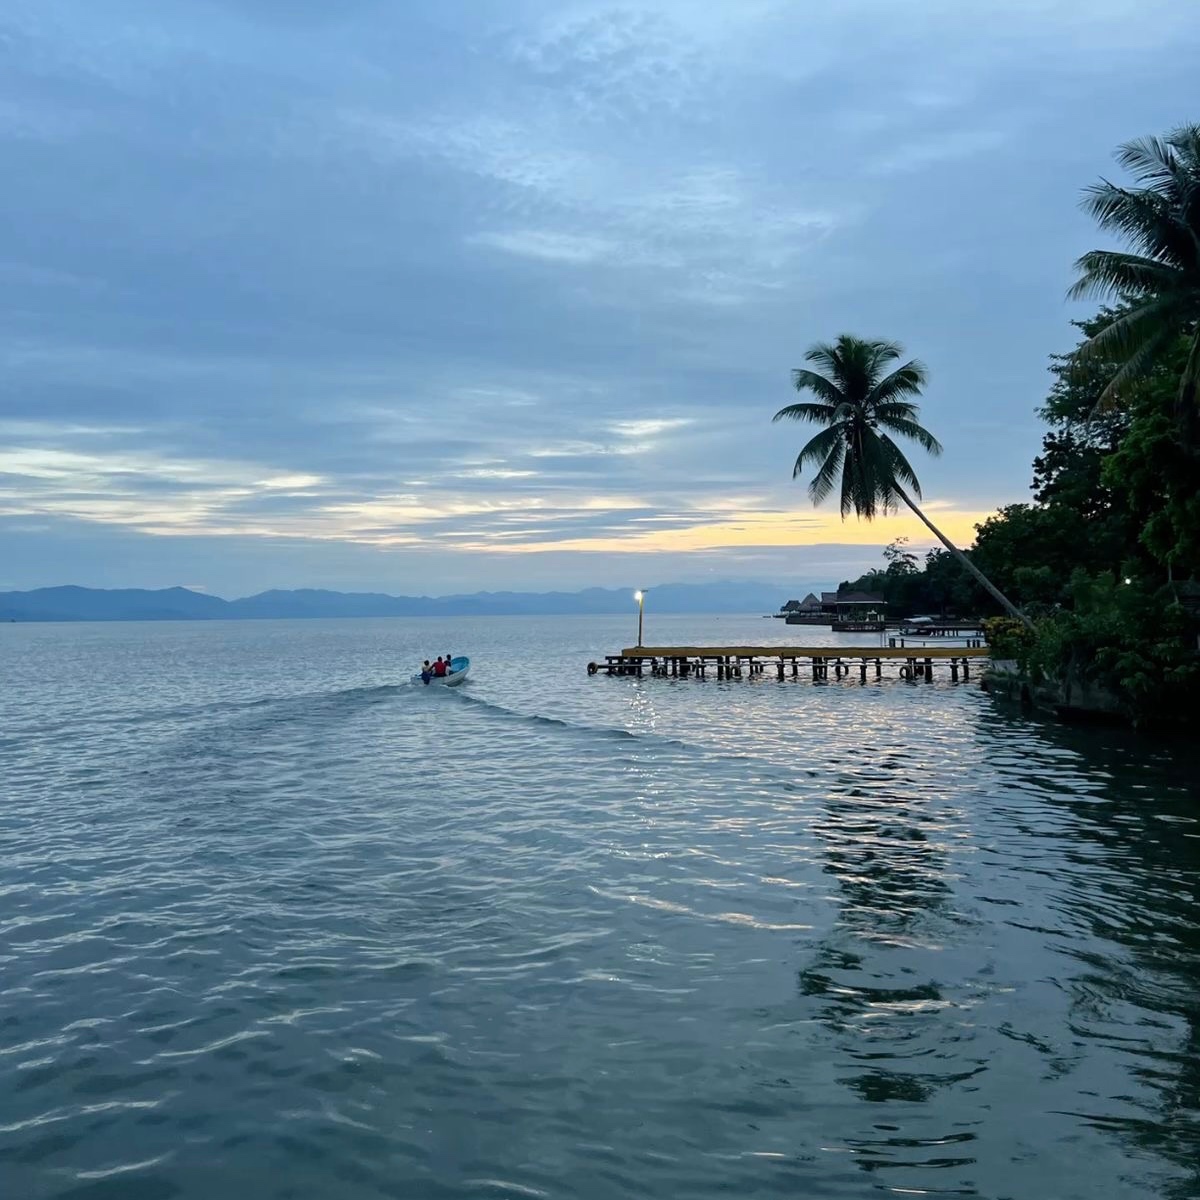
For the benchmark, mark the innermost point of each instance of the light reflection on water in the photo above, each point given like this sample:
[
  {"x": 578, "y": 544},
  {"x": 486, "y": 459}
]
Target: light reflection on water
[{"x": 276, "y": 926}]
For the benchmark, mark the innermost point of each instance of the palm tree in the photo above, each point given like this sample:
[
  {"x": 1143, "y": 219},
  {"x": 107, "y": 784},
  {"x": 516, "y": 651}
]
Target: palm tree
[
  {"x": 859, "y": 406},
  {"x": 1160, "y": 282}
]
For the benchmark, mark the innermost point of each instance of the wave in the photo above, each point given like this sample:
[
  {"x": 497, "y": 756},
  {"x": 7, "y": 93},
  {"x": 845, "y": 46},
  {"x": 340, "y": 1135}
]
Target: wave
[
  {"x": 209, "y": 724},
  {"x": 541, "y": 720},
  {"x": 406, "y": 691},
  {"x": 346, "y": 702}
]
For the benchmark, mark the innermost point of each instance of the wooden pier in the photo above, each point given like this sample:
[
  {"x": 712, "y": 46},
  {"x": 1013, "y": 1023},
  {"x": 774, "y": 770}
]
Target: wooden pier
[{"x": 821, "y": 662}]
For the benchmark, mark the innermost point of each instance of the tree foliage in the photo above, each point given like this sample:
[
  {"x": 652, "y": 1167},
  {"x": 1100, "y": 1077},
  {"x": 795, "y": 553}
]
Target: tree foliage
[
  {"x": 1114, "y": 492},
  {"x": 1159, "y": 279},
  {"x": 939, "y": 585},
  {"x": 1112, "y": 534},
  {"x": 1140, "y": 644},
  {"x": 899, "y": 558},
  {"x": 1102, "y": 555},
  {"x": 861, "y": 406}
]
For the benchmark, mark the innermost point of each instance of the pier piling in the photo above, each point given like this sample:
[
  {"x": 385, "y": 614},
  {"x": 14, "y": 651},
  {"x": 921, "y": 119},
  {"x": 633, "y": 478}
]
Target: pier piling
[{"x": 751, "y": 662}]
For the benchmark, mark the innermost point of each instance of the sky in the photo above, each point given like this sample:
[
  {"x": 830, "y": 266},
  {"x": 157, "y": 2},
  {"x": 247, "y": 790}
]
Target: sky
[{"x": 443, "y": 296}]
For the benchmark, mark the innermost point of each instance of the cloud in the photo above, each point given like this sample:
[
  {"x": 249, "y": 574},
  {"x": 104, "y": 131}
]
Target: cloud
[
  {"x": 354, "y": 284},
  {"x": 496, "y": 473},
  {"x": 649, "y": 427},
  {"x": 610, "y": 61},
  {"x": 748, "y": 530},
  {"x": 596, "y": 206},
  {"x": 299, "y": 484},
  {"x": 547, "y": 244}
]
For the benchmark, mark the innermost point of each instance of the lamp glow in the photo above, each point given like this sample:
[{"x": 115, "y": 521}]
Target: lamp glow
[{"x": 640, "y": 597}]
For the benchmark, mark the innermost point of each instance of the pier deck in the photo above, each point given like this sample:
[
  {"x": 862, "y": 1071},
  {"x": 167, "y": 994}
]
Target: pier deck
[
  {"x": 785, "y": 652},
  {"x": 824, "y": 662}
]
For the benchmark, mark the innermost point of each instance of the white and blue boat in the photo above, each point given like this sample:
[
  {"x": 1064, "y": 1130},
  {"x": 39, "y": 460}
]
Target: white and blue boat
[{"x": 459, "y": 666}]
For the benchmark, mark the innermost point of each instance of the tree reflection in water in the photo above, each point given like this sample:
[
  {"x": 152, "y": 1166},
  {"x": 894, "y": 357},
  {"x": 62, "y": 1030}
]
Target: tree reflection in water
[{"x": 873, "y": 979}]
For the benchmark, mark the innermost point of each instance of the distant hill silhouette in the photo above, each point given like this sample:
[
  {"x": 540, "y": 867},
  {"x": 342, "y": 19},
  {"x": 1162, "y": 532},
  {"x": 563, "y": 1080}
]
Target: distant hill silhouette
[
  {"x": 94, "y": 604},
  {"x": 182, "y": 604}
]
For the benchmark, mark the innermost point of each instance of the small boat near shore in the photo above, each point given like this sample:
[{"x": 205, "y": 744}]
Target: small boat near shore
[{"x": 458, "y": 672}]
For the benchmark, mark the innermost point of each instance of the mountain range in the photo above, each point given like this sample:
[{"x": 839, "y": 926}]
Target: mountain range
[{"x": 182, "y": 604}]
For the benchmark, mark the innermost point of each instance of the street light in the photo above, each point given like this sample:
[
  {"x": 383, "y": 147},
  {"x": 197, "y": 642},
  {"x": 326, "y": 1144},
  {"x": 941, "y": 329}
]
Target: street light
[{"x": 640, "y": 597}]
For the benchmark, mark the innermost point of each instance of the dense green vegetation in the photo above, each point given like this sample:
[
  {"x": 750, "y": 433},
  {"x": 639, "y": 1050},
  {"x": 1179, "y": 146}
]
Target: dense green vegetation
[{"x": 1105, "y": 557}]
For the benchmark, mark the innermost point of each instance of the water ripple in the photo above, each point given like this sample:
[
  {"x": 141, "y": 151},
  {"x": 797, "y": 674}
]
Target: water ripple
[{"x": 276, "y": 924}]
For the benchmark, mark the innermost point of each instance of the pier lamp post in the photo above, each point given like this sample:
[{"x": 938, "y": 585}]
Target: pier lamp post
[{"x": 640, "y": 597}]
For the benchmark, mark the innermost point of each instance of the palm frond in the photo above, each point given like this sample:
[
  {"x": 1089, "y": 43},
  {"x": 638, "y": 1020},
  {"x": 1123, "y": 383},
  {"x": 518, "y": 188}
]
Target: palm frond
[
  {"x": 818, "y": 448},
  {"x": 875, "y": 476},
  {"x": 852, "y": 498},
  {"x": 1168, "y": 165},
  {"x": 823, "y": 480},
  {"x": 1145, "y": 218},
  {"x": 1112, "y": 273},
  {"x": 1136, "y": 366},
  {"x": 821, "y": 386},
  {"x": 1186, "y": 144},
  {"x": 882, "y": 353},
  {"x": 1151, "y": 160},
  {"x": 901, "y": 468},
  {"x": 826, "y": 357},
  {"x": 917, "y": 432},
  {"x": 1185, "y": 141},
  {"x": 821, "y": 414},
  {"x": 1127, "y": 333},
  {"x": 896, "y": 410},
  {"x": 859, "y": 372},
  {"x": 1160, "y": 280},
  {"x": 853, "y": 364},
  {"x": 907, "y": 380}
]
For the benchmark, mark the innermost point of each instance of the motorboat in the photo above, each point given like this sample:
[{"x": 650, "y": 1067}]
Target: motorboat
[{"x": 459, "y": 667}]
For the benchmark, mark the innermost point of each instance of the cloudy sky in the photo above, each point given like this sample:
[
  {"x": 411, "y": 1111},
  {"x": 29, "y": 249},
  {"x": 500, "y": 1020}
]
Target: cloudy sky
[{"x": 437, "y": 296}]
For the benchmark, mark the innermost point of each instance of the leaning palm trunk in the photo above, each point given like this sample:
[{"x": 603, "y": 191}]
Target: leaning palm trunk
[
  {"x": 1188, "y": 407},
  {"x": 984, "y": 581}
]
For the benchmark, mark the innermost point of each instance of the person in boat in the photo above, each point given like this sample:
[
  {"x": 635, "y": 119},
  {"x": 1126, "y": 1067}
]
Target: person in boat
[
  {"x": 426, "y": 673},
  {"x": 439, "y": 668},
  {"x": 449, "y": 665}
]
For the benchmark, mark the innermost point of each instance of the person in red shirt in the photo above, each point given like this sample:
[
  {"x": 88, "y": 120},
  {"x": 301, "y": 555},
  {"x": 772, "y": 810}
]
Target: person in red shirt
[{"x": 439, "y": 668}]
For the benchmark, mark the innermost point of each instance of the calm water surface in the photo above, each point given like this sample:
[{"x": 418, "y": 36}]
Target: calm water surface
[{"x": 274, "y": 923}]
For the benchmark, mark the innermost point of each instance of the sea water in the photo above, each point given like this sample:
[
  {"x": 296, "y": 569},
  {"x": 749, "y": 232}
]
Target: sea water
[{"x": 276, "y": 923}]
